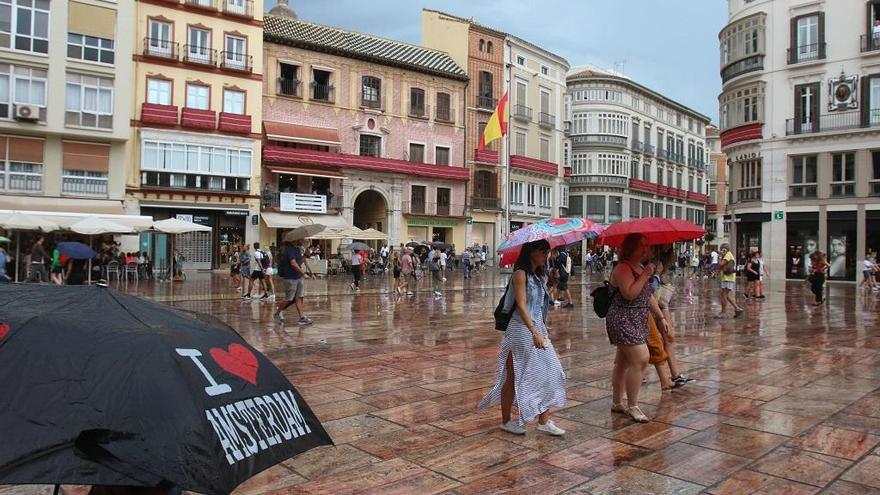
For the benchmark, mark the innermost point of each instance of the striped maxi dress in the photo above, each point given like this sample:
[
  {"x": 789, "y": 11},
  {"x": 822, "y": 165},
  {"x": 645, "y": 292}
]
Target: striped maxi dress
[{"x": 539, "y": 381}]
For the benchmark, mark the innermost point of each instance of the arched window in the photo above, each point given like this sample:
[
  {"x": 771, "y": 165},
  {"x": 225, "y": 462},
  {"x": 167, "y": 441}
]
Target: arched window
[
  {"x": 489, "y": 47},
  {"x": 482, "y": 45}
]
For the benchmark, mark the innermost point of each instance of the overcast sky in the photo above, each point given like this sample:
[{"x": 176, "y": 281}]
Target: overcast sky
[{"x": 670, "y": 46}]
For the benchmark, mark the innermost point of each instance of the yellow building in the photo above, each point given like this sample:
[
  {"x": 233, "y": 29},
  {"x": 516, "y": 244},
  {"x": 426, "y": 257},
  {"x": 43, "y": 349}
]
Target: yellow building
[{"x": 196, "y": 122}]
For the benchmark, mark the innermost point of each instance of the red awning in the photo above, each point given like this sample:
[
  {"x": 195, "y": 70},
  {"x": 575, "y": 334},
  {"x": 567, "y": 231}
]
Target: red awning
[
  {"x": 283, "y": 131},
  {"x": 297, "y": 156},
  {"x": 533, "y": 165},
  {"x": 330, "y": 174}
]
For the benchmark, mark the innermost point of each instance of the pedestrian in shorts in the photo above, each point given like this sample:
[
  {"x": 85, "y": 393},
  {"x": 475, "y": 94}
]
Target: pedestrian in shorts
[{"x": 290, "y": 265}]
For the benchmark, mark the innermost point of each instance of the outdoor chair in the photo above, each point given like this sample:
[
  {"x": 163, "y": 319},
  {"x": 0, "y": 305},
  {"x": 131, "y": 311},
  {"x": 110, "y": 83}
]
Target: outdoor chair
[
  {"x": 131, "y": 270},
  {"x": 112, "y": 270}
]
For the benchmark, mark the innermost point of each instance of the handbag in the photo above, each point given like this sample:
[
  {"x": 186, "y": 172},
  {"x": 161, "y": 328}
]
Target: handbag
[
  {"x": 728, "y": 268},
  {"x": 664, "y": 294},
  {"x": 502, "y": 313},
  {"x": 602, "y": 297}
]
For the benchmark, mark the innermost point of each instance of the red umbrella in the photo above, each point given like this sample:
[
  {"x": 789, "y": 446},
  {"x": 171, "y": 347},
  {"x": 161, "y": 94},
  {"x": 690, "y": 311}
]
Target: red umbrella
[{"x": 657, "y": 230}]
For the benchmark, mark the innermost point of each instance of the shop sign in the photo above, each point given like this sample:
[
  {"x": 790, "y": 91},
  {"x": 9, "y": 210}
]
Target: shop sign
[
  {"x": 236, "y": 213},
  {"x": 778, "y": 215},
  {"x": 425, "y": 222},
  {"x": 185, "y": 218},
  {"x": 202, "y": 220}
]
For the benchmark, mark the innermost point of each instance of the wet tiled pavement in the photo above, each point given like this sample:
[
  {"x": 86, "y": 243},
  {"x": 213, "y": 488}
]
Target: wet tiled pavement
[{"x": 787, "y": 398}]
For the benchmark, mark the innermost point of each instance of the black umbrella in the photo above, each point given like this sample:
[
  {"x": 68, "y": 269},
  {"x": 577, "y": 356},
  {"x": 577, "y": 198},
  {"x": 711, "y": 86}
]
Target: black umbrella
[
  {"x": 414, "y": 244},
  {"x": 101, "y": 388}
]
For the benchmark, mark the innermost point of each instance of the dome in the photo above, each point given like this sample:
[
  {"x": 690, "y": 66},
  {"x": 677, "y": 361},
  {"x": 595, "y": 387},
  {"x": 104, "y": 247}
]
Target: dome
[{"x": 282, "y": 10}]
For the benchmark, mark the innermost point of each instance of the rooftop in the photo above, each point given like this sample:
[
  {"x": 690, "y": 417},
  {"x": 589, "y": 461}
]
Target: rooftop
[{"x": 336, "y": 41}]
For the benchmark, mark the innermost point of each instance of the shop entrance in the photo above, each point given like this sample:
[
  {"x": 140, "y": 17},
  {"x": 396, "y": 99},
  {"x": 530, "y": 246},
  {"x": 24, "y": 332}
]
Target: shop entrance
[
  {"x": 370, "y": 211},
  {"x": 442, "y": 234}
]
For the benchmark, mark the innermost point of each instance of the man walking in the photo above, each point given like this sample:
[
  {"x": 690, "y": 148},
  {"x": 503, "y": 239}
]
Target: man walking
[
  {"x": 257, "y": 273},
  {"x": 563, "y": 266},
  {"x": 728, "y": 282},
  {"x": 713, "y": 263},
  {"x": 38, "y": 259},
  {"x": 466, "y": 263},
  {"x": 291, "y": 264}
]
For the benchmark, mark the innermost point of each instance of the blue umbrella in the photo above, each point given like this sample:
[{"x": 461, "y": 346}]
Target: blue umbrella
[{"x": 76, "y": 250}]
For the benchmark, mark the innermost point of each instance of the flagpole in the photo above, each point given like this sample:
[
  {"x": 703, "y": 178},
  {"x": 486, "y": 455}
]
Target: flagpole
[{"x": 507, "y": 69}]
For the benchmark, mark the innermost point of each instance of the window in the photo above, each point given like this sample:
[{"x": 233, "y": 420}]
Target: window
[
  {"x": 21, "y": 166},
  {"x": 444, "y": 107},
  {"x": 198, "y": 96},
  {"x": 159, "y": 91},
  {"x": 615, "y": 209},
  {"x": 24, "y": 25},
  {"x": 521, "y": 94},
  {"x": 804, "y": 176},
  {"x": 198, "y": 47},
  {"x": 235, "y": 56},
  {"x": 873, "y": 103},
  {"x": 669, "y": 212},
  {"x": 660, "y": 176},
  {"x": 484, "y": 184},
  {"x": 749, "y": 181},
  {"x": 742, "y": 106},
  {"x": 488, "y": 47},
  {"x": 678, "y": 180},
  {"x": 545, "y": 103},
  {"x": 596, "y": 209},
  {"x": 417, "y": 199},
  {"x": 807, "y": 38},
  {"x": 482, "y": 45},
  {"x": 160, "y": 42},
  {"x": 516, "y": 193},
  {"x": 322, "y": 89},
  {"x": 545, "y": 70},
  {"x": 634, "y": 169},
  {"x": 288, "y": 79},
  {"x": 417, "y": 102},
  {"x": 691, "y": 183},
  {"x": 520, "y": 60},
  {"x": 416, "y": 153},
  {"x": 84, "y": 182},
  {"x": 646, "y": 172},
  {"x": 875, "y": 177},
  {"x": 191, "y": 166},
  {"x": 678, "y": 212},
  {"x": 647, "y": 209},
  {"x": 544, "y": 197},
  {"x": 520, "y": 144},
  {"x": 545, "y": 149},
  {"x": 635, "y": 207},
  {"x": 444, "y": 199},
  {"x": 576, "y": 206},
  {"x": 233, "y": 101},
  {"x": 371, "y": 90},
  {"x": 658, "y": 210},
  {"x": 441, "y": 155},
  {"x": 88, "y": 101},
  {"x": 89, "y": 48},
  {"x": 370, "y": 145},
  {"x": 531, "y": 196},
  {"x": 563, "y": 197},
  {"x": 806, "y": 108},
  {"x": 22, "y": 86},
  {"x": 843, "y": 174}
]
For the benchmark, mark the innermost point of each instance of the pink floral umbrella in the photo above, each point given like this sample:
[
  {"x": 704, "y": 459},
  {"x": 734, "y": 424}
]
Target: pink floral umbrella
[{"x": 556, "y": 231}]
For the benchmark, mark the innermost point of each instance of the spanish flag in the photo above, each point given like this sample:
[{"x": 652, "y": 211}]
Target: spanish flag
[{"x": 496, "y": 128}]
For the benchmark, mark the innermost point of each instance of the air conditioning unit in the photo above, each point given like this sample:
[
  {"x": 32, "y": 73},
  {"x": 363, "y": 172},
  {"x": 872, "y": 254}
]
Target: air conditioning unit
[{"x": 27, "y": 112}]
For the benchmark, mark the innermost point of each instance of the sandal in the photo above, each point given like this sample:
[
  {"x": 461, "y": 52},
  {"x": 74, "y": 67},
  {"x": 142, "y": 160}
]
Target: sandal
[
  {"x": 618, "y": 408},
  {"x": 637, "y": 415}
]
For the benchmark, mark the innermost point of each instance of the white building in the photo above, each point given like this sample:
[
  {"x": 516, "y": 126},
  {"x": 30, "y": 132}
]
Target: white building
[
  {"x": 800, "y": 122},
  {"x": 632, "y": 152}
]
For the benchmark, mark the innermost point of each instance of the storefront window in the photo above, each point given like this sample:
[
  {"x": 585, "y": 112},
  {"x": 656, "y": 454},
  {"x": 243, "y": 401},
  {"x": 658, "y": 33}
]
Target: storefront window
[
  {"x": 842, "y": 245},
  {"x": 803, "y": 235}
]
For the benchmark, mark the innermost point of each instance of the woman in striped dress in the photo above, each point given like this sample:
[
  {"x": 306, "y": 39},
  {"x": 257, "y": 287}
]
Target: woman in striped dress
[{"x": 529, "y": 371}]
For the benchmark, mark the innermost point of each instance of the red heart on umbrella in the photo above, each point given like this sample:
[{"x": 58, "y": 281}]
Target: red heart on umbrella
[
  {"x": 238, "y": 360},
  {"x": 4, "y": 330}
]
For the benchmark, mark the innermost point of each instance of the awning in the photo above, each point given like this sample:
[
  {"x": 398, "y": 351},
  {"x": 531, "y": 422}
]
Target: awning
[
  {"x": 329, "y": 174},
  {"x": 275, "y": 220},
  {"x": 65, "y": 219},
  {"x": 67, "y": 211},
  {"x": 295, "y": 133}
]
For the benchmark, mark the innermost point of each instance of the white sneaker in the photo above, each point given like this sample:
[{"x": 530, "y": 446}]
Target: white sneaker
[
  {"x": 513, "y": 427},
  {"x": 551, "y": 429}
]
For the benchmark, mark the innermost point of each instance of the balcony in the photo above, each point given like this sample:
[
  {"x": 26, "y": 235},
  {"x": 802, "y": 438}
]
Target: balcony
[
  {"x": 598, "y": 180},
  {"x": 486, "y": 156},
  {"x": 748, "y": 195},
  {"x": 636, "y": 145},
  {"x": 838, "y": 121},
  {"x": 444, "y": 114},
  {"x": 236, "y": 61},
  {"x": 802, "y": 192},
  {"x": 522, "y": 112},
  {"x": 806, "y": 53},
  {"x": 546, "y": 120},
  {"x": 201, "y": 55},
  {"x": 744, "y": 66},
  {"x": 301, "y": 202},
  {"x": 234, "y": 122},
  {"x": 202, "y": 4},
  {"x": 323, "y": 92},
  {"x": 486, "y": 103},
  {"x": 870, "y": 43},
  {"x": 289, "y": 87},
  {"x": 648, "y": 148},
  {"x": 598, "y": 140},
  {"x": 152, "y": 113},
  {"x": 644, "y": 186},
  {"x": 241, "y": 8},
  {"x": 485, "y": 203},
  {"x": 198, "y": 119},
  {"x": 162, "y": 48},
  {"x": 843, "y": 189},
  {"x": 432, "y": 209},
  {"x": 697, "y": 197},
  {"x": 195, "y": 182}
]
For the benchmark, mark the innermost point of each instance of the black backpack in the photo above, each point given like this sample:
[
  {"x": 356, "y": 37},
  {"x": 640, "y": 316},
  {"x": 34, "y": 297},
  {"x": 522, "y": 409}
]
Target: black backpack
[
  {"x": 602, "y": 297},
  {"x": 502, "y": 318}
]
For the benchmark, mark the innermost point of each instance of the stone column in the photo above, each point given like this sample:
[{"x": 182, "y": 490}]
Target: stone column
[
  {"x": 347, "y": 201},
  {"x": 395, "y": 217}
]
